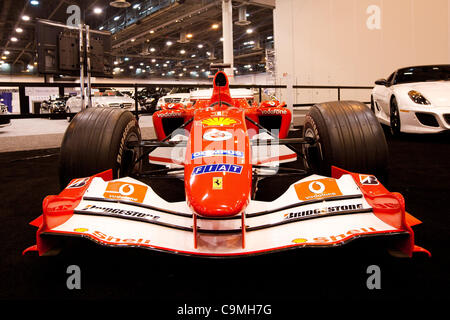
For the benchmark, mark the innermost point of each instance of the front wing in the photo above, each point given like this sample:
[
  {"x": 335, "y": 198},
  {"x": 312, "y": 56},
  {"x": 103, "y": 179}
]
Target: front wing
[{"x": 128, "y": 213}]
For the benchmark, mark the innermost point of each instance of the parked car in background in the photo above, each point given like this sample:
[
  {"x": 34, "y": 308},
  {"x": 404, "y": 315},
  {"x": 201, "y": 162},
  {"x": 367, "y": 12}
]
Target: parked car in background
[
  {"x": 102, "y": 98},
  {"x": 149, "y": 97},
  {"x": 414, "y": 99},
  {"x": 4, "y": 111},
  {"x": 176, "y": 95},
  {"x": 54, "y": 105}
]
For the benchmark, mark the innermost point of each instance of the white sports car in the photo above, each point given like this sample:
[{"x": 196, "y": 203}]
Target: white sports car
[
  {"x": 414, "y": 99},
  {"x": 107, "y": 98}
]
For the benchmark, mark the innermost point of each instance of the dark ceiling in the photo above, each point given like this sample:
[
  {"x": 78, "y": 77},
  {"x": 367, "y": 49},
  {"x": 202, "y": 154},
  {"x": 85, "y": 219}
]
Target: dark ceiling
[{"x": 142, "y": 44}]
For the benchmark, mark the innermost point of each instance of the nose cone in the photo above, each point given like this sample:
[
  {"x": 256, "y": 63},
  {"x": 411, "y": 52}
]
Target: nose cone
[{"x": 219, "y": 189}]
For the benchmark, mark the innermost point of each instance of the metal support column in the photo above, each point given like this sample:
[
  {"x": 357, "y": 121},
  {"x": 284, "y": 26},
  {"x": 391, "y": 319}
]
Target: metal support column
[{"x": 227, "y": 33}]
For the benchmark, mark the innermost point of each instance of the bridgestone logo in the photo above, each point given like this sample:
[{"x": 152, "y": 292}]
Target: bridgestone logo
[
  {"x": 322, "y": 211},
  {"x": 121, "y": 212}
]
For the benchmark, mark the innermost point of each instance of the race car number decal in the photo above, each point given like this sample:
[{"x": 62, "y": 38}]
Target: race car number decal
[
  {"x": 212, "y": 153},
  {"x": 125, "y": 191},
  {"x": 221, "y": 167},
  {"x": 219, "y": 121},
  {"x": 217, "y": 135},
  {"x": 317, "y": 189}
]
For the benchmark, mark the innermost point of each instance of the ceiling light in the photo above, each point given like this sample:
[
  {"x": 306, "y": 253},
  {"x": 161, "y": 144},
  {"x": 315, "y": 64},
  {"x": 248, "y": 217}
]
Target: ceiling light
[
  {"x": 136, "y": 6},
  {"x": 14, "y": 39},
  {"x": 249, "y": 30},
  {"x": 131, "y": 67},
  {"x": 165, "y": 65},
  {"x": 116, "y": 63},
  {"x": 169, "y": 43},
  {"x": 120, "y": 4},
  {"x": 200, "y": 46},
  {"x": 4, "y": 57},
  {"x": 180, "y": 74},
  {"x": 116, "y": 18},
  {"x": 101, "y": 28},
  {"x": 153, "y": 60},
  {"x": 189, "y": 35},
  {"x": 34, "y": 2},
  {"x": 98, "y": 10},
  {"x": 141, "y": 64},
  {"x": 19, "y": 30},
  {"x": 6, "y": 52},
  {"x": 152, "y": 49},
  {"x": 126, "y": 59},
  {"x": 193, "y": 56},
  {"x": 221, "y": 39},
  {"x": 25, "y": 18},
  {"x": 182, "y": 51},
  {"x": 184, "y": 69},
  {"x": 215, "y": 26},
  {"x": 133, "y": 40},
  {"x": 168, "y": 61},
  {"x": 152, "y": 31}
]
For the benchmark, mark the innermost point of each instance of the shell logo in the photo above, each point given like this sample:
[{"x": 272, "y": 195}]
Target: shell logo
[{"x": 219, "y": 121}]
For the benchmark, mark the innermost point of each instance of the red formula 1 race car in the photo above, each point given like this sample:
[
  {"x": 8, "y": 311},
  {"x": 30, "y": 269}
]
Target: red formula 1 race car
[{"x": 221, "y": 146}]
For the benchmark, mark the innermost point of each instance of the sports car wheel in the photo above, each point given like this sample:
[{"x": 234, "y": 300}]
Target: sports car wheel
[
  {"x": 96, "y": 141},
  {"x": 347, "y": 135},
  {"x": 394, "y": 117},
  {"x": 372, "y": 104}
]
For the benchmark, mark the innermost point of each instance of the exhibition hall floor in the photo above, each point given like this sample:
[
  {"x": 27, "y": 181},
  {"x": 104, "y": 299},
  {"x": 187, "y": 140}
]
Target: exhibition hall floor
[{"x": 419, "y": 170}]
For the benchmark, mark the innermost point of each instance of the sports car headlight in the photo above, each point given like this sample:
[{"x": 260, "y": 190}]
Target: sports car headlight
[{"x": 417, "y": 97}]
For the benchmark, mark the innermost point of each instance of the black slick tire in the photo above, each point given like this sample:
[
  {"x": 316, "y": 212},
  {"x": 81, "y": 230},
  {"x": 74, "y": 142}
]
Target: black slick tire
[
  {"x": 348, "y": 136},
  {"x": 95, "y": 141}
]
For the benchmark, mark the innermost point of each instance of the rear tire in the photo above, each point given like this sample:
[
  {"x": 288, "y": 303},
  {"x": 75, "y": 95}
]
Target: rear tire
[
  {"x": 348, "y": 136},
  {"x": 95, "y": 141}
]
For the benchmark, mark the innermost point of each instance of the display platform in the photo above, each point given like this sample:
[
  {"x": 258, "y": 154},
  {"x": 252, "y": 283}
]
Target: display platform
[{"x": 35, "y": 134}]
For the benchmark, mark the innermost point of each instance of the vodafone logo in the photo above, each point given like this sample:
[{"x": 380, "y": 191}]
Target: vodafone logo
[
  {"x": 316, "y": 187},
  {"x": 125, "y": 191}
]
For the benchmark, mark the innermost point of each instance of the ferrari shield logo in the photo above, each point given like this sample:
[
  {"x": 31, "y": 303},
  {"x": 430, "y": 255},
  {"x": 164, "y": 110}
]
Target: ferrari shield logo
[{"x": 217, "y": 183}]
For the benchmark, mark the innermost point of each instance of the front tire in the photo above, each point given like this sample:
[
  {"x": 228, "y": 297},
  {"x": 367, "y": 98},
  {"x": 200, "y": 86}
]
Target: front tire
[
  {"x": 394, "y": 118},
  {"x": 348, "y": 136},
  {"x": 95, "y": 141}
]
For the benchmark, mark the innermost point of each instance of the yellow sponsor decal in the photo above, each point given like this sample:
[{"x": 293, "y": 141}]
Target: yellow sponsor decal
[{"x": 219, "y": 121}]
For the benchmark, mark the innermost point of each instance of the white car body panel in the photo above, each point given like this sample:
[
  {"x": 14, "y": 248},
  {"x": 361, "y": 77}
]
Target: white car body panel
[
  {"x": 436, "y": 92},
  {"x": 74, "y": 103}
]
